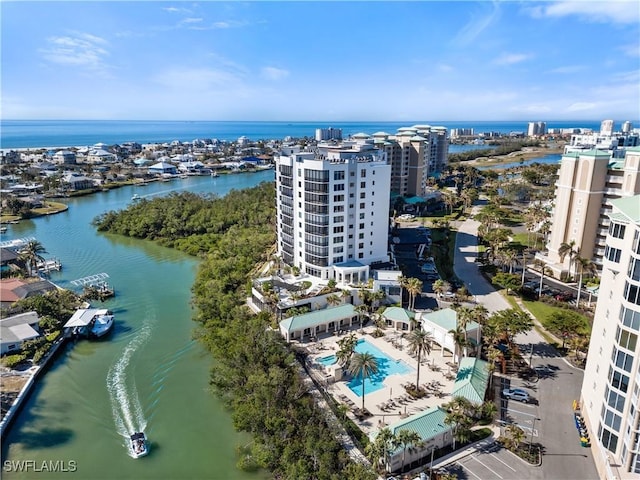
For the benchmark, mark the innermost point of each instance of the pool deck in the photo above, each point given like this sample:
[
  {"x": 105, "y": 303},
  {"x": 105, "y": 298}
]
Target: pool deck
[{"x": 389, "y": 404}]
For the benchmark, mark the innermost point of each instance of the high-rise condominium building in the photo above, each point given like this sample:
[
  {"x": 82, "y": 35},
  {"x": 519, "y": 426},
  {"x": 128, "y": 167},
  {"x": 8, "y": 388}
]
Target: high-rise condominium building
[
  {"x": 610, "y": 393},
  {"x": 328, "y": 134},
  {"x": 333, "y": 209},
  {"x": 606, "y": 127},
  {"x": 627, "y": 127},
  {"x": 535, "y": 129},
  {"x": 414, "y": 154},
  {"x": 587, "y": 183}
]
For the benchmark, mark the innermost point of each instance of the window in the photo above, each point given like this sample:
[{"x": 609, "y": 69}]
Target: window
[
  {"x": 361, "y": 226},
  {"x": 626, "y": 339},
  {"x": 362, "y": 216},
  {"x": 630, "y": 318},
  {"x": 361, "y": 245},
  {"x": 631, "y": 293},
  {"x": 338, "y": 219},
  {"x": 339, "y": 175},
  {"x": 634, "y": 270},
  {"x": 363, "y": 184},
  {"x": 338, "y": 187},
  {"x": 338, "y": 208},
  {"x": 339, "y": 239},
  {"x": 612, "y": 420},
  {"x": 612, "y": 254},
  {"x": 622, "y": 360},
  {"x": 338, "y": 229},
  {"x": 361, "y": 204},
  {"x": 339, "y": 249},
  {"x": 363, "y": 173},
  {"x": 361, "y": 236},
  {"x": 338, "y": 259},
  {"x": 338, "y": 198},
  {"x": 617, "y": 230},
  {"x": 615, "y": 400},
  {"x": 608, "y": 439},
  {"x": 361, "y": 255}
]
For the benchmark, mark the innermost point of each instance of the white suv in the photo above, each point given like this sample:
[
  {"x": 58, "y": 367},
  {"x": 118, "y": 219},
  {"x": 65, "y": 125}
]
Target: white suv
[{"x": 516, "y": 394}]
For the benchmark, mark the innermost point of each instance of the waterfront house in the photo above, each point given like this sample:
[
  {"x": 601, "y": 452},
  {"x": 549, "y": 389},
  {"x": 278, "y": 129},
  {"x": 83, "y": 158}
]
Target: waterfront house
[
  {"x": 64, "y": 157},
  {"x": 75, "y": 182},
  {"x": 16, "y": 330},
  {"x": 162, "y": 167},
  {"x": 14, "y": 289},
  {"x": 100, "y": 156}
]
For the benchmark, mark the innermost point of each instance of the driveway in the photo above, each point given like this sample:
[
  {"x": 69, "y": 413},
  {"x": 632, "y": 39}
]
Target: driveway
[{"x": 558, "y": 384}]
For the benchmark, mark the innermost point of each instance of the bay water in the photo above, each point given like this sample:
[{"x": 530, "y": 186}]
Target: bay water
[
  {"x": 148, "y": 374},
  {"x": 67, "y": 133}
]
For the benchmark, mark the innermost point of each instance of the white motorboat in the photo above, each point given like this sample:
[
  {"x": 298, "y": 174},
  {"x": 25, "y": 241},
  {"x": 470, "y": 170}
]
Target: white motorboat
[
  {"x": 138, "y": 445},
  {"x": 136, "y": 197},
  {"x": 101, "y": 325}
]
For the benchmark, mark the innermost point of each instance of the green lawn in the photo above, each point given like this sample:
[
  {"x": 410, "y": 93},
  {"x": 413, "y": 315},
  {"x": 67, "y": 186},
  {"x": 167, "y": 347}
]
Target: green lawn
[{"x": 542, "y": 311}]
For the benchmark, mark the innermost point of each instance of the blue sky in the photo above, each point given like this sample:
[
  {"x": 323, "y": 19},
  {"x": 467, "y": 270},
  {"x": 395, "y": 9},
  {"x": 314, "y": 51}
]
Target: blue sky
[{"x": 389, "y": 61}]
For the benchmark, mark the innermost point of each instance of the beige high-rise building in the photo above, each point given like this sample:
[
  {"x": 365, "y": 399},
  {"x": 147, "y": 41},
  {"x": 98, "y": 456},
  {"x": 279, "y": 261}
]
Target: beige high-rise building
[
  {"x": 610, "y": 395},
  {"x": 414, "y": 154},
  {"x": 587, "y": 183},
  {"x": 606, "y": 127}
]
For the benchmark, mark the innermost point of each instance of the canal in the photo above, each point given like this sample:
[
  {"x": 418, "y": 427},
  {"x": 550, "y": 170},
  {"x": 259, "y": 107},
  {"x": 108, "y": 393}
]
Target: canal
[{"x": 148, "y": 374}]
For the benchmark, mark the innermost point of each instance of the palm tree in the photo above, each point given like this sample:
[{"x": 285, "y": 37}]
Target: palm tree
[
  {"x": 480, "y": 315},
  {"x": 381, "y": 447},
  {"x": 31, "y": 254},
  {"x": 414, "y": 287},
  {"x": 363, "y": 365},
  {"x": 362, "y": 311},
  {"x": 333, "y": 299},
  {"x": 515, "y": 434},
  {"x": 419, "y": 341},
  {"x": 464, "y": 316},
  {"x": 583, "y": 265},
  {"x": 440, "y": 287},
  {"x": 460, "y": 341},
  {"x": 569, "y": 249},
  {"x": 406, "y": 438},
  {"x": 543, "y": 270},
  {"x": 347, "y": 348},
  {"x": 403, "y": 281}
]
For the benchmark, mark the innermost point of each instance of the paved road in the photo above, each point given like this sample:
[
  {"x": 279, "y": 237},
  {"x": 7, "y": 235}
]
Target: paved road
[{"x": 559, "y": 383}]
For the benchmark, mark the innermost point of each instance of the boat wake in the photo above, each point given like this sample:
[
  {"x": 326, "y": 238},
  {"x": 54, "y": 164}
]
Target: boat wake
[{"x": 125, "y": 403}]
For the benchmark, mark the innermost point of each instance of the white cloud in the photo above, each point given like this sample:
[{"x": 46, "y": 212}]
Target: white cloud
[
  {"x": 568, "y": 69},
  {"x": 581, "y": 106},
  {"x": 511, "y": 58},
  {"x": 477, "y": 24},
  {"x": 176, "y": 10},
  {"x": 617, "y": 11},
  {"x": 537, "y": 108},
  {"x": 273, "y": 73},
  {"x": 82, "y": 50},
  {"x": 631, "y": 50},
  {"x": 197, "y": 79}
]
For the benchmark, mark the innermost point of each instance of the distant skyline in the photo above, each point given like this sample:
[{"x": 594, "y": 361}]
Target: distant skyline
[{"x": 321, "y": 61}]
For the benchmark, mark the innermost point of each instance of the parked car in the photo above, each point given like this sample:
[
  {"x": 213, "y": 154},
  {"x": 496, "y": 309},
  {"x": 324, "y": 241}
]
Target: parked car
[
  {"x": 516, "y": 394},
  {"x": 564, "y": 296}
]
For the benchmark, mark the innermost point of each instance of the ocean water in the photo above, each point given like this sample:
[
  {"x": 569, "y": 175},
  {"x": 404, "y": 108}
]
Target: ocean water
[{"x": 68, "y": 133}]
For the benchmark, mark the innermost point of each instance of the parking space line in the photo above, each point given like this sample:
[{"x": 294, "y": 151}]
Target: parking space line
[
  {"x": 504, "y": 463},
  {"x": 487, "y": 467},
  {"x": 468, "y": 470}
]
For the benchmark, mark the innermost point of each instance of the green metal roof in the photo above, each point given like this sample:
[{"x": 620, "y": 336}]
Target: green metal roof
[
  {"x": 447, "y": 319},
  {"x": 472, "y": 380},
  {"x": 427, "y": 424},
  {"x": 398, "y": 314},
  {"x": 319, "y": 317},
  {"x": 629, "y": 207},
  {"x": 588, "y": 153}
]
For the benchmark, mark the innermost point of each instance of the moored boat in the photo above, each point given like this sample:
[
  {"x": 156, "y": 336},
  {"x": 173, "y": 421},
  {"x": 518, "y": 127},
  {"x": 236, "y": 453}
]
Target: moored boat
[
  {"x": 138, "y": 445},
  {"x": 102, "y": 324},
  {"x": 136, "y": 197}
]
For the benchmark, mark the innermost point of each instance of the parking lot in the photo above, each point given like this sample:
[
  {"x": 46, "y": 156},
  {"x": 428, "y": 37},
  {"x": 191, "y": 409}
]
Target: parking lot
[{"x": 493, "y": 463}]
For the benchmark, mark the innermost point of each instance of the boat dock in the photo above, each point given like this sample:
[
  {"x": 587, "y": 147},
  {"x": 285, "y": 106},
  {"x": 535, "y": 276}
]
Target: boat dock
[
  {"x": 95, "y": 287},
  {"x": 52, "y": 264}
]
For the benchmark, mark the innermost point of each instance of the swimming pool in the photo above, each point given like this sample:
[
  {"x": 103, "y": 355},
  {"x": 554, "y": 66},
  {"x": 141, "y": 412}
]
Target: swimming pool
[{"x": 386, "y": 366}]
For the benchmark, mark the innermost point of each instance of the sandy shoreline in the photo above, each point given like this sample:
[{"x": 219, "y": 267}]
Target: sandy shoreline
[{"x": 525, "y": 154}]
